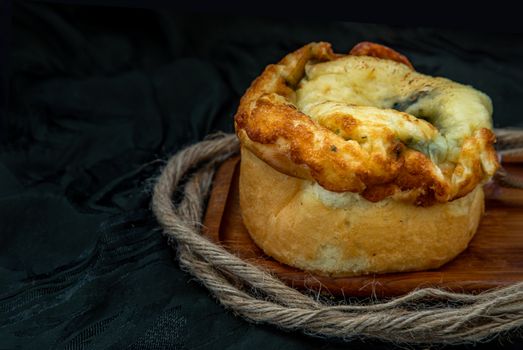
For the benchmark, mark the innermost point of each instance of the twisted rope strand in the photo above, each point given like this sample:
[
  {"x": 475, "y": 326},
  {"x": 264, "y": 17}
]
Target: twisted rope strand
[
  {"x": 240, "y": 286},
  {"x": 508, "y": 139}
]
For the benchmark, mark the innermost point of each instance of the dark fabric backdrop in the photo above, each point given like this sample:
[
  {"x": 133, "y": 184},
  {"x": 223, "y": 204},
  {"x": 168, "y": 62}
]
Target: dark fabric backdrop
[{"x": 98, "y": 97}]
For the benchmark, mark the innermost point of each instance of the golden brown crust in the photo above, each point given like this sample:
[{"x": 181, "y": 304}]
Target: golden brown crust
[
  {"x": 300, "y": 224},
  {"x": 269, "y": 124},
  {"x": 366, "y": 48}
]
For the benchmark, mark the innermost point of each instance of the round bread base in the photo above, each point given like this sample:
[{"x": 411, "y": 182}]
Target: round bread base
[{"x": 300, "y": 224}]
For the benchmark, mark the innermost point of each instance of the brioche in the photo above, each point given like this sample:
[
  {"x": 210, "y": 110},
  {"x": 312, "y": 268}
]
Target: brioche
[
  {"x": 355, "y": 164},
  {"x": 301, "y": 224}
]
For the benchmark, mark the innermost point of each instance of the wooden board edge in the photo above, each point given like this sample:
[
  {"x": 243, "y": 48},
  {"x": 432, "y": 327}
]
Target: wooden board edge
[{"x": 219, "y": 194}]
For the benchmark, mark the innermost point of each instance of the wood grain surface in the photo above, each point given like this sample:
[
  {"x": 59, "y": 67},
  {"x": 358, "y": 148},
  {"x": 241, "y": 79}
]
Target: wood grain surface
[{"x": 493, "y": 259}]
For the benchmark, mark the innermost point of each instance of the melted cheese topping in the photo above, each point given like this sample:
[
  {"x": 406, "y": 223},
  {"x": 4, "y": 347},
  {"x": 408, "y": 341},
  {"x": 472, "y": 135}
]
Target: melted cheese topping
[
  {"x": 429, "y": 114},
  {"x": 370, "y": 126}
]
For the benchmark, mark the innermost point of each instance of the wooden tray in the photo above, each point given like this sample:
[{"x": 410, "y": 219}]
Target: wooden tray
[{"x": 494, "y": 257}]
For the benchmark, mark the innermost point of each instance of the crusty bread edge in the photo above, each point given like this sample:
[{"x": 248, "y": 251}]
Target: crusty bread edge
[{"x": 299, "y": 224}]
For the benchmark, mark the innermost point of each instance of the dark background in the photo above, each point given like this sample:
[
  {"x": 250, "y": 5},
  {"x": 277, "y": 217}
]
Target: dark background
[{"x": 94, "y": 98}]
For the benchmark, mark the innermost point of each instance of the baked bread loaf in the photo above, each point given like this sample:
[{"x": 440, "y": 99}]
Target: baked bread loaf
[{"x": 356, "y": 164}]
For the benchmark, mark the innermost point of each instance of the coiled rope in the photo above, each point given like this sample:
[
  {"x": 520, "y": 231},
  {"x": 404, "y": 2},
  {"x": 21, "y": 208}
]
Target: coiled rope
[{"x": 260, "y": 297}]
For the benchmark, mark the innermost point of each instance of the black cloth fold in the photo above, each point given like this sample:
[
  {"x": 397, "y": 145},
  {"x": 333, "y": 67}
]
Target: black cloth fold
[{"x": 99, "y": 97}]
